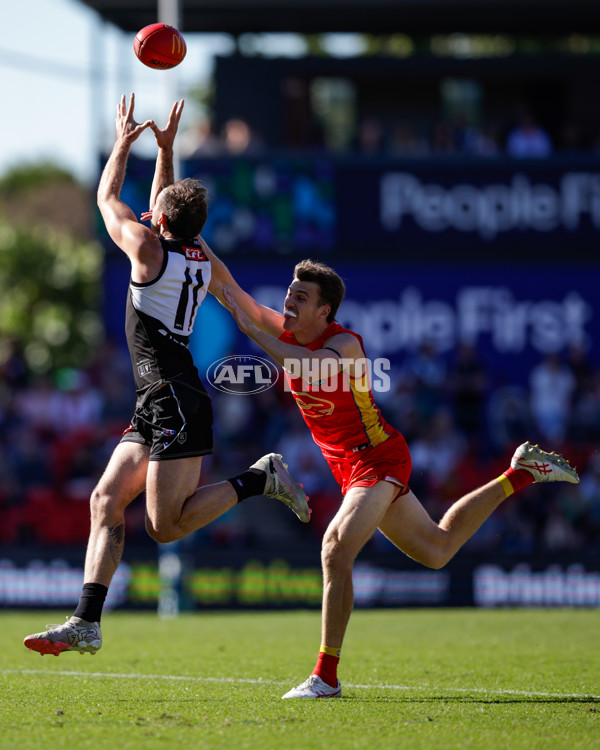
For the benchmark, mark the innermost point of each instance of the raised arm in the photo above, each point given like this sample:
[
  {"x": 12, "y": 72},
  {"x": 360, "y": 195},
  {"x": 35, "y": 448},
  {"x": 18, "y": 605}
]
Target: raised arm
[
  {"x": 341, "y": 351},
  {"x": 121, "y": 223},
  {"x": 163, "y": 172}
]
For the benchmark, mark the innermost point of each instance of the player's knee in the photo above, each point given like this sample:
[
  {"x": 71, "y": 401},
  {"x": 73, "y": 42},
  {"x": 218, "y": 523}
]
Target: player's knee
[
  {"x": 104, "y": 508},
  {"x": 161, "y": 531},
  {"x": 435, "y": 562},
  {"x": 437, "y": 557},
  {"x": 334, "y": 554}
]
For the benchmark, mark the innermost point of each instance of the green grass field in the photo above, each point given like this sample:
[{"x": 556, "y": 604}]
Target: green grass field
[{"x": 514, "y": 679}]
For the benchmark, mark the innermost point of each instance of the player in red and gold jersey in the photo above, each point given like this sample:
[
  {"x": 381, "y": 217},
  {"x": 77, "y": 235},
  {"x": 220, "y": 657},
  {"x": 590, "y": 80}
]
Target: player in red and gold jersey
[
  {"x": 325, "y": 367},
  {"x": 338, "y": 406}
]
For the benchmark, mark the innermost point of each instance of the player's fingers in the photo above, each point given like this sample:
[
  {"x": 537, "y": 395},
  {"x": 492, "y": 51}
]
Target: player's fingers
[
  {"x": 172, "y": 115},
  {"x": 175, "y": 114}
]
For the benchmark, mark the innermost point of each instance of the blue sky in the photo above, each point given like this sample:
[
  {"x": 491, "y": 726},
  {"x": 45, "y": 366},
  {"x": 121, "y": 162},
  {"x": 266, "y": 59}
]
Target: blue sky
[
  {"x": 55, "y": 109},
  {"x": 52, "y": 106}
]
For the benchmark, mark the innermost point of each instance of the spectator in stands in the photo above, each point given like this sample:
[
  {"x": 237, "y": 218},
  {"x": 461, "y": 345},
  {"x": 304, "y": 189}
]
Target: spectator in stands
[
  {"x": 481, "y": 142},
  {"x": 558, "y": 533},
  {"x": 426, "y": 371},
  {"x": 405, "y": 142},
  {"x": 116, "y": 400},
  {"x": 29, "y": 459},
  {"x": 438, "y": 452},
  {"x": 585, "y": 416},
  {"x": 370, "y": 139},
  {"x": 552, "y": 385},
  {"x": 35, "y": 404},
  {"x": 76, "y": 405},
  {"x": 468, "y": 382},
  {"x": 13, "y": 370},
  {"x": 201, "y": 141},
  {"x": 239, "y": 138},
  {"x": 571, "y": 138},
  {"x": 443, "y": 139},
  {"x": 590, "y": 492},
  {"x": 528, "y": 140},
  {"x": 578, "y": 360},
  {"x": 509, "y": 416}
]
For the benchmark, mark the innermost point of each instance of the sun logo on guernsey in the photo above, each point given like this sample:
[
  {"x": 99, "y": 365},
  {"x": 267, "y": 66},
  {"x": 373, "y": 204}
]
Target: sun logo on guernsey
[{"x": 313, "y": 406}]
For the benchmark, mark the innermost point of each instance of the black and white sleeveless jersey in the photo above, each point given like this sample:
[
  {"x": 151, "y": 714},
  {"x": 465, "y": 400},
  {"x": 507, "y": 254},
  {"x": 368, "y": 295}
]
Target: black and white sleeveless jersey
[{"x": 160, "y": 315}]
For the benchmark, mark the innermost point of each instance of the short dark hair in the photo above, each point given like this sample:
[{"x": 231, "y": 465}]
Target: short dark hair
[
  {"x": 185, "y": 204},
  {"x": 331, "y": 287}
]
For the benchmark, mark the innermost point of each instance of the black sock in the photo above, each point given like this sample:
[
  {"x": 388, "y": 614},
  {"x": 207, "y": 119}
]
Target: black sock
[
  {"x": 91, "y": 602},
  {"x": 252, "y": 482}
]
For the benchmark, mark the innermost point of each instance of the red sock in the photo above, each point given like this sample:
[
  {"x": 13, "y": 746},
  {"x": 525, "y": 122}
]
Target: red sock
[
  {"x": 326, "y": 668},
  {"x": 518, "y": 478}
]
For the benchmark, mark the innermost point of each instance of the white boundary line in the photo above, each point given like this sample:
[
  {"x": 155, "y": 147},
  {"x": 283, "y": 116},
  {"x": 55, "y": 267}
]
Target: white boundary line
[{"x": 261, "y": 681}]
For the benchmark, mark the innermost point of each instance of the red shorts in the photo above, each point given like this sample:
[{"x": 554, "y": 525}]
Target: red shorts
[{"x": 389, "y": 461}]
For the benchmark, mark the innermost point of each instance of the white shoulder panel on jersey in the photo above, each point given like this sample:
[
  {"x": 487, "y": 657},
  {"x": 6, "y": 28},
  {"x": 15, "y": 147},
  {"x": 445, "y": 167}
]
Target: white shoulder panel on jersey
[{"x": 174, "y": 298}]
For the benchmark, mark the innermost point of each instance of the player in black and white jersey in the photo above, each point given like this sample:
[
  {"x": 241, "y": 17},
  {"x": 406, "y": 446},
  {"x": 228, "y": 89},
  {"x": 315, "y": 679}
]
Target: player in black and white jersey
[{"x": 171, "y": 430}]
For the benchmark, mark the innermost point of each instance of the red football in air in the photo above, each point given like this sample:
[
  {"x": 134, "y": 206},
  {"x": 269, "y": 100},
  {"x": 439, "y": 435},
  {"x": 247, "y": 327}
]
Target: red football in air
[{"x": 159, "y": 46}]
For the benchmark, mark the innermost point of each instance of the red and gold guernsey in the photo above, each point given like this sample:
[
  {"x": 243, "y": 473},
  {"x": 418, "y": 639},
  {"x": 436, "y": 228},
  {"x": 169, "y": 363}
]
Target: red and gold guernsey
[{"x": 340, "y": 411}]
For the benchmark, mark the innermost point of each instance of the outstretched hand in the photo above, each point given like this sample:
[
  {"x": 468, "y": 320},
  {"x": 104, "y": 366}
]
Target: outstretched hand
[
  {"x": 166, "y": 136},
  {"x": 127, "y": 128}
]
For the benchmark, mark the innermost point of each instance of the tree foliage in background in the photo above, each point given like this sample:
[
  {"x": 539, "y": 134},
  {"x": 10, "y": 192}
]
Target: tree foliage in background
[{"x": 50, "y": 268}]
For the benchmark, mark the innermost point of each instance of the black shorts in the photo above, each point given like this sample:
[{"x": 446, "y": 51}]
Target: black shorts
[{"x": 174, "y": 419}]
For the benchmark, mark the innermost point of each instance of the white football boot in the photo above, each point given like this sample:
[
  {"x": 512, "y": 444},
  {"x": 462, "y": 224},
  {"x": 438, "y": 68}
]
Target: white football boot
[
  {"x": 314, "y": 687},
  {"x": 545, "y": 467},
  {"x": 74, "y": 635},
  {"x": 281, "y": 485}
]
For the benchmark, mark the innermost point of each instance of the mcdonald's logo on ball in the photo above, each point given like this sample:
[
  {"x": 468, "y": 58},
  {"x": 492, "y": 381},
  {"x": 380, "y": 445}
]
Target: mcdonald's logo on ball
[{"x": 159, "y": 46}]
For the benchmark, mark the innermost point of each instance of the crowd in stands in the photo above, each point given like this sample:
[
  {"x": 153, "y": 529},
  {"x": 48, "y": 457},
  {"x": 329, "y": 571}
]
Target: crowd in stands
[
  {"x": 526, "y": 138},
  {"x": 57, "y": 433}
]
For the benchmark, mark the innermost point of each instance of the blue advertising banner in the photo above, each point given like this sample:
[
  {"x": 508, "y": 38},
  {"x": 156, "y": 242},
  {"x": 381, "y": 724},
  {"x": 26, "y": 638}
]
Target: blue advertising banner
[
  {"x": 513, "y": 315},
  {"x": 472, "y": 209},
  {"x": 497, "y": 253},
  {"x": 480, "y": 210}
]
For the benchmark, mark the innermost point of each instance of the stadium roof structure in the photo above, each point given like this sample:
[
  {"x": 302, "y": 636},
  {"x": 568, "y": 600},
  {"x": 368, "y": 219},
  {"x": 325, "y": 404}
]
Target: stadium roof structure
[{"x": 537, "y": 17}]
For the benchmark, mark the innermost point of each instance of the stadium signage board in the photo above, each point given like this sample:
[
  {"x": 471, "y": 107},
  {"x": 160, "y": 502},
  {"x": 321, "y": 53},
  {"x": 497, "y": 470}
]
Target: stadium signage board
[{"x": 343, "y": 208}]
